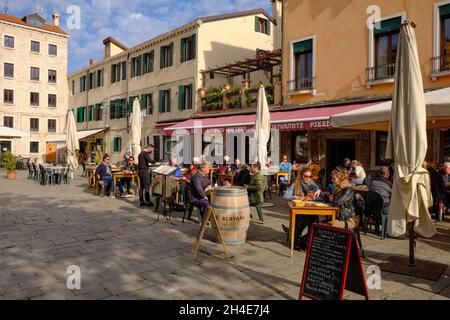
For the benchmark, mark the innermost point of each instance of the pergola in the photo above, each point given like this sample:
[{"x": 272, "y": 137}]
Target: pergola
[{"x": 265, "y": 61}]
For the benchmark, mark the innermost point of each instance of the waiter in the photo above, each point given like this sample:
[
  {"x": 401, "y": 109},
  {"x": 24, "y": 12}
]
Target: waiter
[{"x": 144, "y": 160}]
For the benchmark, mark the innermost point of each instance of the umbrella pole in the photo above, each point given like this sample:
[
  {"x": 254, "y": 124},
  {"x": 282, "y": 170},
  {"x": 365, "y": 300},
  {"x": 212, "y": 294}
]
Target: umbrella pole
[{"x": 411, "y": 244}]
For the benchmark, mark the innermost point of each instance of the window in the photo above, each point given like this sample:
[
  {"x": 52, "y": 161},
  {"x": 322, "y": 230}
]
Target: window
[
  {"x": 98, "y": 112},
  {"x": 156, "y": 148},
  {"x": 90, "y": 115},
  {"x": 147, "y": 103},
  {"x": 73, "y": 87},
  {"x": 8, "y": 122},
  {"x": 90, "y": 81},
  {"x": 117, "y": 144},
  {"x": 52, "y": 76},
  {"x": 300, "y": 152},
  {"x": 117, "y": 108},
  {"x": 166, "y": 57},
  {"x": 82, "y": 83},
  {"x": 51, "y": 125},
  {"x": 8, "y": 96},
  {"x": 34, "y": 98},
  {"x": 52, "y": 50},
  {"x": 117, "y": 70},
  {"x": 148, "y": 62},
  {"x": 34, "y": 147},
  {"x": 303, "y": 66},
  {"x": 262, "y": 25},
  {"x": 444, "y": 14},
  {"x": 8, "y": 70},
  {"x": 185, "y": 97},
  {"x": 99, "y": 78},
  {"x": 80, "y": 114},
  {"x": 35, "y": 46},
  {"x": 124, "y": 70},
  {"x": 34, "y": 74},
  {"x": 164, "y": 101},
  {"x": 52, "y": 100},
  {"x": 381, "y": 144},
  {"x": 188, "y": 48},
  {"x": 9, "y": 42},
  {"x": 136, "y": 66},
  {"x": 34, "y": 124},
  {"x": 386, "y": 42}
]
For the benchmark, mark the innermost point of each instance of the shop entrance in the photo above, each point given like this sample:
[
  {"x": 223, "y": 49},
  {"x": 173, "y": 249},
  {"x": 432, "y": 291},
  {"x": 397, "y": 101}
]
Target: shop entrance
[{"x": 338, "y": 150}]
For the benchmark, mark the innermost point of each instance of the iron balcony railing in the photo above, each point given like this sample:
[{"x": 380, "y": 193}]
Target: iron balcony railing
[
  {"x": 381, "y": 72},
  {"x": 440, "y": 64},
  {"x": 302, "y": 84}
]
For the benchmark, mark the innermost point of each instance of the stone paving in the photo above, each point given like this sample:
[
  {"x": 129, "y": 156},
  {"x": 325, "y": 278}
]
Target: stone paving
[{"x": 122, "y": 254}]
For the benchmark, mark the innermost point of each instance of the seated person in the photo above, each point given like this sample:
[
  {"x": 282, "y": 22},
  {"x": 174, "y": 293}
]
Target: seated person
[
  {"x": 103, "y": 173},
  {"x": 199, "y": 187},
  {"x": 302, "y": 186},
  {"x": 257, "y": 185},
  {"x": 358, "y": 171},
  {"x": 383, "y": 186},
  {"x": 174, "y": 163},
  {"x": 127, "y": 155},
  {"x": 315, "y": 167},
  {"x": 192, "y": 170},
  {"x": 223, "y": 169},
  {"x": 243, "y": 176},
  {"x": 236, "y": 166},
  {"x": 285, "y": 166},
  {"x": 343, "y": 197},
  {"x": 132, "y": 167}
]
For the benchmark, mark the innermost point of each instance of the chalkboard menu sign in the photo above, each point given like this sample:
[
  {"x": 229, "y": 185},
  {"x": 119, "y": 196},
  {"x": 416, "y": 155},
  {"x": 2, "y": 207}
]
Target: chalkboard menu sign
[{"x": 330, "y": 253}]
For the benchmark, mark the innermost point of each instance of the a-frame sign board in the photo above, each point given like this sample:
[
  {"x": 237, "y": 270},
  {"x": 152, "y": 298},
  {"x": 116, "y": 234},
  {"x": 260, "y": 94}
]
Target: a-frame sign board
[
  {"x": 332, "y": 265},
  {"x": 209, "y": 216}
]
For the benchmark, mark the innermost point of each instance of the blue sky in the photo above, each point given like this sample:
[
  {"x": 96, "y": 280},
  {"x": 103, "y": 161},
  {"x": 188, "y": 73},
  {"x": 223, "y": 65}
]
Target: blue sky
[{"x": 130, "y": 21}]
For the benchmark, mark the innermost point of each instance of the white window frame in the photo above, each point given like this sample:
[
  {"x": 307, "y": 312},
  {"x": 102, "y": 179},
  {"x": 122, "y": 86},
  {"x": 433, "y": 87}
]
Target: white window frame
[
  {"x": 292, "y": 60},
  {"x": 371, "y": 61},
  {"x": 437, "y": 36}
]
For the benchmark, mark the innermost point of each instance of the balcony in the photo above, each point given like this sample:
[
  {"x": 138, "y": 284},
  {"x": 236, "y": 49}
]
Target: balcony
[
  {"x": 383, "y": 73},
  {"x": 303, "y": 85},
  {"x": 440, "y": 66}
]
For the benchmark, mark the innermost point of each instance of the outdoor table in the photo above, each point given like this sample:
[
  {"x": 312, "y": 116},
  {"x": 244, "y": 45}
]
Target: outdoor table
[
  {"x": 310, "y": 208},
  {"x": 126, "y": 174},
  {"x": 91, "y": 177}
]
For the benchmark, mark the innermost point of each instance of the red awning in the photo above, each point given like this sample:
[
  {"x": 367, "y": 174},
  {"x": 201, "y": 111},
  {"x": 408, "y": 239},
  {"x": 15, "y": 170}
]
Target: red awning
[
  {"x": 295, "y": 120},
  {"x": 162, "y": 126}
]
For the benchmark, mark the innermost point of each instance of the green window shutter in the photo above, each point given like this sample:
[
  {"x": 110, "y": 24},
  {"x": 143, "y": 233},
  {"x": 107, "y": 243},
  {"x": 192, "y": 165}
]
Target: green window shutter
[
  {"x": 112, "y": 109},
  {"x": 78, "y": 114},
  {"x": 113, "y": 73},
  {"x": 145, "y": 64},
  {"x": 268, "y": 26},
  {"x": 152, "y": 59},
  {"x": 168, "y": 100},
  {"x": 83, "y": 112},
  {"x": 194, "y": 46},
  {"x": 117, "y": 144},
  {"x": 303, "y": 46},
  {"x": 256, "y": 24},
  {"x": 90, "y": 113},
  {"x": 181, "y": 98},
  {"x": 183, "y": 50},
  {"x": 161, "y": 101},
  {"x": 389, "y": 25},
  {"x": 192, "y": 95},
  {"x": 444, "y": 10},
  {"x": 143, "y": 102},
  {"x": 171, "y": 54},
  {"x": 161, "y": 58}
]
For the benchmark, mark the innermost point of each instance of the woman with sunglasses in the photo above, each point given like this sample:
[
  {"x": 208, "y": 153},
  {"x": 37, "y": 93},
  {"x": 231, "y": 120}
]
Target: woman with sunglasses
[{"x": 303, "y": 186}]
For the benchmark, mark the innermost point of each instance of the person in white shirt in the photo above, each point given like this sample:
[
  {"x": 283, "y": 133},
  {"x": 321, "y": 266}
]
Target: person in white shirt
[{"x": 359, "y": 172}]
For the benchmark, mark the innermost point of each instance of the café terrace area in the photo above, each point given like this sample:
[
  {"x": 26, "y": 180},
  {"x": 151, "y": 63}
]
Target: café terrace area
[{"x": 123, "y": 254}]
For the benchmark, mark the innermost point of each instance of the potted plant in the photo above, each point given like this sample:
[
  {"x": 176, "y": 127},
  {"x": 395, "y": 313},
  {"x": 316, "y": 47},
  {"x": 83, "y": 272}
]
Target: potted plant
[{"x": 9, "y": 163}]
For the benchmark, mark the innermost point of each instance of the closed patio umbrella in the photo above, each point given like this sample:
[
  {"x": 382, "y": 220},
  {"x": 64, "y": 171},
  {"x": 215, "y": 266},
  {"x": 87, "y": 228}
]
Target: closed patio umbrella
[
  {"x": 262, "y": 126},
  {"x": 72, "y": 142},
  {"x": 407, "y": 146},
  {"x": 136, "y": 129}
]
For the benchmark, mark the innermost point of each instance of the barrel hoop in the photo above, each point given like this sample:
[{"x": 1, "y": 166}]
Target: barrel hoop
[
  {"x": 227, "y": 194},
  {"x": 234, "y": 241},
  {"x": 234, "y": 229},
  {"x": 215, "y": 206}
]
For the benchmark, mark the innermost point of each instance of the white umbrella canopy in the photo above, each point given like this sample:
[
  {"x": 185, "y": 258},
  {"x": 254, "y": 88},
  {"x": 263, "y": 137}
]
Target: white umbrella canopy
[
  {"x": 136, "y": 129},
  {"x": 262, "y": 126},
  {"x": 72, "y": 141},
  {"x": 407, "y": 143}
]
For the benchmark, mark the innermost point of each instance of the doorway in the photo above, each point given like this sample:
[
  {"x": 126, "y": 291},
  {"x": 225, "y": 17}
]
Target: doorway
[
  {"x": 50, "y": 153},
  {"x": 338, "y": 150}
]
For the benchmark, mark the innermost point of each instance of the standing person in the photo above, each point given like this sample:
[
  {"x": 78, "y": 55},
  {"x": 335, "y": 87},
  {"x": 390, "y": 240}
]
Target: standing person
[
  {"x": 144, "y": 161},
  {"x": 257, "y": 185},
  {"x": 199, "y": 187},
  {"x": 360, "y": 174}
]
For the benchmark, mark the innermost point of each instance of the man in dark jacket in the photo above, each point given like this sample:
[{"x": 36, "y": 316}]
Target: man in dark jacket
[
  {"x": 144, "y": 161},
  {"x": 200, "y": 185},
  {"x": 243, "y": 177},
  {"x": 383, "y": 186}
]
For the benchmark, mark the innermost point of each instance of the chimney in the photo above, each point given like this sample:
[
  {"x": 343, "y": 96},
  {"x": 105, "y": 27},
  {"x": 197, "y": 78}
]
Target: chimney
[
  {"x": 277, "y": 13},
  {"x": 91, "y": 62},
  {"x": 55, "y": 17}
]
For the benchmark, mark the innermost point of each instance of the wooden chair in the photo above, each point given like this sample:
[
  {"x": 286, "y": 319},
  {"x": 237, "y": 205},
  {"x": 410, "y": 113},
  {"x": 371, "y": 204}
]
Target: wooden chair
[{"x": 277, "y": 179}]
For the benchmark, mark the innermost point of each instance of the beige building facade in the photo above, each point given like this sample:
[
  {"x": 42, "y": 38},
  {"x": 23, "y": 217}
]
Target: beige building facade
[
  {"x": 33, "y": 85},
  {"x": 165, "y": 74}
]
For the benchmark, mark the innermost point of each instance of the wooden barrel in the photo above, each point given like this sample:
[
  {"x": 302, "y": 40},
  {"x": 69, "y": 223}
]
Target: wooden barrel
[{"x": 232, "y": 211}]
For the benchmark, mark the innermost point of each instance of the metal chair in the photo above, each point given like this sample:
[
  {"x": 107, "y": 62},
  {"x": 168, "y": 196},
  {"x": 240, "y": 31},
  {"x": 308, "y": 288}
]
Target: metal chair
[{"x": 277, "y": 180}]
